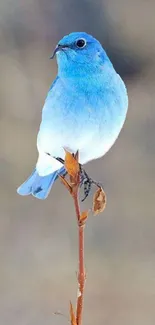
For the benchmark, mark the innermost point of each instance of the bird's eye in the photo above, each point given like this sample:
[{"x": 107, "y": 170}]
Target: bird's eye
[{"x": 81, "y": 43}]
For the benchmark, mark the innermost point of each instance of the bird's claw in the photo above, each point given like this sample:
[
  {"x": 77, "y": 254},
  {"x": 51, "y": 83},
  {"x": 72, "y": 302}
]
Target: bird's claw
[{"x": 87, "y": 182}]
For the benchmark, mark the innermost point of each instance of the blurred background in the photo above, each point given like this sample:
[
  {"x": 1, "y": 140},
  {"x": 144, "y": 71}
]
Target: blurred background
[{"x": 38, "y": 239}]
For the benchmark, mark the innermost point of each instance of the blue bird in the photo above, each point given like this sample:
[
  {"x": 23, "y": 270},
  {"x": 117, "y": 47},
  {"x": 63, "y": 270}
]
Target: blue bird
[{"x": 84, "y": 110}]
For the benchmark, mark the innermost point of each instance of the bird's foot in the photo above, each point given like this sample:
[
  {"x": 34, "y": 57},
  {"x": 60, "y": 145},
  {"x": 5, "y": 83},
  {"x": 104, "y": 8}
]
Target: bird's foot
[
  {"x": 87, "y": 183},
  {"x": 60, "y": 160},
  {"x": 85, "y": 180}
]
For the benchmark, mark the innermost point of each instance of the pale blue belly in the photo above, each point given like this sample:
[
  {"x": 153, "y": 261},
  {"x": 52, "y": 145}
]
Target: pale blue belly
[{"x": 88, "y": 124}]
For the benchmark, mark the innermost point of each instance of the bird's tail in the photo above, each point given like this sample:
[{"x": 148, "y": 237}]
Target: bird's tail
[{"x": 39, "y": 186}]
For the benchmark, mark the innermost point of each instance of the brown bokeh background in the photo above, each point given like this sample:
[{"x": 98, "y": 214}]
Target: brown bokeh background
[{"x": 38, "y": 239}]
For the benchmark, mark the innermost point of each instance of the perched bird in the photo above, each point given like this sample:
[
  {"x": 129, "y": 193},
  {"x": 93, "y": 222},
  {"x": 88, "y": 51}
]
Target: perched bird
[{"x": 84, "y": 110}]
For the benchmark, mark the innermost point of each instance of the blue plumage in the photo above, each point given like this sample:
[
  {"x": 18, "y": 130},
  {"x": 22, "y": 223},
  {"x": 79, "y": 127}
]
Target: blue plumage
[
  {"x": 39, "y": 186},
  {"x": 84, "y": 111}
]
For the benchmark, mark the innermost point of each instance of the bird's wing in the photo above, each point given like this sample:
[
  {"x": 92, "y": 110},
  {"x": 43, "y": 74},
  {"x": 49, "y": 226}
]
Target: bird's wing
[{"x": 46, "y": 164}]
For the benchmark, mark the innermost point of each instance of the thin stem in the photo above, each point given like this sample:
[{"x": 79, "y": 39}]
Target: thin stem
[
  {"x": 81, "y": 271},
  {"x": 77, "y": 177},
  {"x": 81, "y": 277},
  {"x": 76, "y": 203}
]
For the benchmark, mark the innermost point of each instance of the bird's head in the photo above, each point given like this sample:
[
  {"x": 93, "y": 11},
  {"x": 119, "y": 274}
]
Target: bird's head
[{"x": 79, "y": 53}]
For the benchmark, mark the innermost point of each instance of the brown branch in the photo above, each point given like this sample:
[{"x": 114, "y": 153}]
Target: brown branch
[
  {"x": 81, "y": 271},
  {"x": 73, "y": 169},
  {"x": 81, "y": 277},
  {"x": 75, "y": 195}
]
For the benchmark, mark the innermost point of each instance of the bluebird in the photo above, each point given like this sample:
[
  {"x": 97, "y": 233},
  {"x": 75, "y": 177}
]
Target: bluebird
[{"x": 84, "y": 110}]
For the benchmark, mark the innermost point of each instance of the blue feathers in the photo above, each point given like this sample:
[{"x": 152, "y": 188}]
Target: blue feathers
[
  {"x": 84, "y": 111},
  {"x": 39, "y": 186}
]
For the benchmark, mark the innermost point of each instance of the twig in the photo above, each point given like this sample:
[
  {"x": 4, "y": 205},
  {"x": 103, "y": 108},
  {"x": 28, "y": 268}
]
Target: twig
[
  {"x": 81, "y": 271},
  {"x": 74, "y": 170}
]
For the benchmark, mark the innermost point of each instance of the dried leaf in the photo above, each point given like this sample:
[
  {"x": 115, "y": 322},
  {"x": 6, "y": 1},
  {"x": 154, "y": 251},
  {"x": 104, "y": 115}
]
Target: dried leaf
[
  {"x": 63, "y": 180},
  {"x": 99, "y": 201},
  {"x": 72, "y": 315},
  {"x": 84, "y": 216},
  {"x": 71, "y": 165}
]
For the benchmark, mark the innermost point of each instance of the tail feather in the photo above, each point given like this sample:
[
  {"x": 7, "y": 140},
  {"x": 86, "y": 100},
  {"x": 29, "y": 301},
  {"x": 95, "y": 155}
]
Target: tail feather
[{"x": 39, "y": 186}]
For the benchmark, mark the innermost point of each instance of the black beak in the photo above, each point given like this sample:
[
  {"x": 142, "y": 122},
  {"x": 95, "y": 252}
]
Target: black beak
[{"x": 57, "y": 49}]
